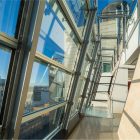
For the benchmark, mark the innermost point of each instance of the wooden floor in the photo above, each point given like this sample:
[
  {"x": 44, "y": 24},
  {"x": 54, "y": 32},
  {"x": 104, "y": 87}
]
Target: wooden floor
[{"x": 96, "y": 128}]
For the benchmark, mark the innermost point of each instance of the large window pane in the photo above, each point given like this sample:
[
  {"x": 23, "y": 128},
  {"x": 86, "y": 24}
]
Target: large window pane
[
  {"x": 79, "y": 13},
  {"x": 47, "y": 87},
  {"x": 80, "y": 87},
  {"x": 41, "y": 126},
  {"x": 8, "y": 16},
  {"x": 56, "y": 39},
  {"x": 5, "y": 55}
]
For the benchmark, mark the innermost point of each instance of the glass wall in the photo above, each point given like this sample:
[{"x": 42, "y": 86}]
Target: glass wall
[
  {"x": 53, "y": 67},
  {"x": 5, "y": 55},
  {"x": 42, "y": 125},
  {"x": 79, "y": 13},
  {"x": 9, "y": 10},
  {"x": 80, "y": 87},
  {"x": 56, "y": 40},
  {"x": 8, "y": 16},
  {"x": 47, "y": 87}
]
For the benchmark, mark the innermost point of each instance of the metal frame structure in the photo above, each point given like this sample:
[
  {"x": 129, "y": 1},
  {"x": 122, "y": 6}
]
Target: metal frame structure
[
  {"x": 93, "y": 80},
  {"x": 29, "y": 29},
  {"x": 27, "y": 54},
  {"x": 24, "y": 52},
  {"x": 89, "y": 74}
]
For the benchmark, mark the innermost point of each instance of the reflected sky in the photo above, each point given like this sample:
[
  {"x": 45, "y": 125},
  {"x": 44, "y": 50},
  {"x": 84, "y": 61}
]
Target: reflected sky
[
  {"x": 4, "y": 62},
  {"x": 8, "y": 19},
  {"x": 77, "y": 8},
  {"x": 40, "y": 75},
  {"x": 51, "y": 38},
  {"x": 8, "y": 16}
]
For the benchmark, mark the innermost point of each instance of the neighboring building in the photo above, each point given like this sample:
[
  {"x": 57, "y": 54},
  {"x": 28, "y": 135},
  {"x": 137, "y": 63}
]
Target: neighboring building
[
  {"x": 2, "y": 86},
  {"x": 40, "y": 96}
]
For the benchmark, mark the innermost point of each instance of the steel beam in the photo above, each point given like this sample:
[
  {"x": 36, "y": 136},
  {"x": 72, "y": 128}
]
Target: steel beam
[
  {"x": 111, "y": 16},
  {"x": 109, "y": 37}
]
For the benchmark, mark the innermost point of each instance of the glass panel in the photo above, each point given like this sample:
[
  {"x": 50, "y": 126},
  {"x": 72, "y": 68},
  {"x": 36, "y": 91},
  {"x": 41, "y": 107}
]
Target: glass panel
[
  {"x": 80, "y": 87},
  {"x": 106, "y": 67},
  {"x": 79, "y": 13},
  {"x": 79, "y": 91},
  {"x": 47, "y": 87},
  {"x": 56, "y": 39},
  {"x": 8, "y": 16},
  {"x": 41, "y": 126},
  {"x": 5, "y": 56}
]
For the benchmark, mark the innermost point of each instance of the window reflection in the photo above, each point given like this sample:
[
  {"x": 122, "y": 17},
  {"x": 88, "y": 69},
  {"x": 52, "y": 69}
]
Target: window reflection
[
  {"x": 80, "y": 87},
  {"x": 47, "y": 87},
  {"x": 41, "y": 126},
  {"x": 78, "y": 10},
  {"x": 56, "y": 40},
  {"x": 5, "y": 55},
  {"x": 8, "y": 16}
]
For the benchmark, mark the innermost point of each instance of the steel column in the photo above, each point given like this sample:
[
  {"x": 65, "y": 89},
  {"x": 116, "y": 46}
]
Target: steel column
[
  {"x": 124, "y": 24},
  {"x": 79, "y": 66}
]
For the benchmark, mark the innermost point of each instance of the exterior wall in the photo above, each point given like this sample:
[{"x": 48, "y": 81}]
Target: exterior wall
[
  {"x": 129, "y": 128},
  {"x": 120, "y": 91},
  {"x": 133, "y": 43}
]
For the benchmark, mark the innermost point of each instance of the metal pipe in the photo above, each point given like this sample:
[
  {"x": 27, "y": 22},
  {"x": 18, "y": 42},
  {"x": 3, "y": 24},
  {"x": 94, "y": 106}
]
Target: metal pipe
[
  {"x": 124, "y": 24},
  {"x": 111, "y": 16}
]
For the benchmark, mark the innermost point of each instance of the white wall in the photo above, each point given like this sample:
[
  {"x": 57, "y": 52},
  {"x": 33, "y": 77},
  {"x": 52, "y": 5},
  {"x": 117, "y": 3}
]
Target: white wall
[
  {"x": 129, "y": 128},
  {"x": 120, "y": 91}
]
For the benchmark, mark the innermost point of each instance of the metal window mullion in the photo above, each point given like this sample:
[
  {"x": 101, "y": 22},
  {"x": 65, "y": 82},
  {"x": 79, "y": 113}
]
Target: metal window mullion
[
  {"x": 9, "y": 42},
  {"x": 17, "y": 57},
  {"x": 78, "y": 67},
  {"x": 41, "y": 112},
  {"x": 27, "y": 64},
  {"x": 46, "y": 59},
  {"x": 69, "y": 19}
]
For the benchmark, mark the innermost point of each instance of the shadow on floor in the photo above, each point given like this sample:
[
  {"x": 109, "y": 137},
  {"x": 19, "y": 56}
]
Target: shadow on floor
[{"x": 97, "y": 128}]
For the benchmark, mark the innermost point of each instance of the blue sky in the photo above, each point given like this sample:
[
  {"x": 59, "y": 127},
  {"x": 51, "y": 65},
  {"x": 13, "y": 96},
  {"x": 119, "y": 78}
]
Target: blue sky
[
  {"x": 8, "y": 18},
  {"x": 4, "y": 62}
]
